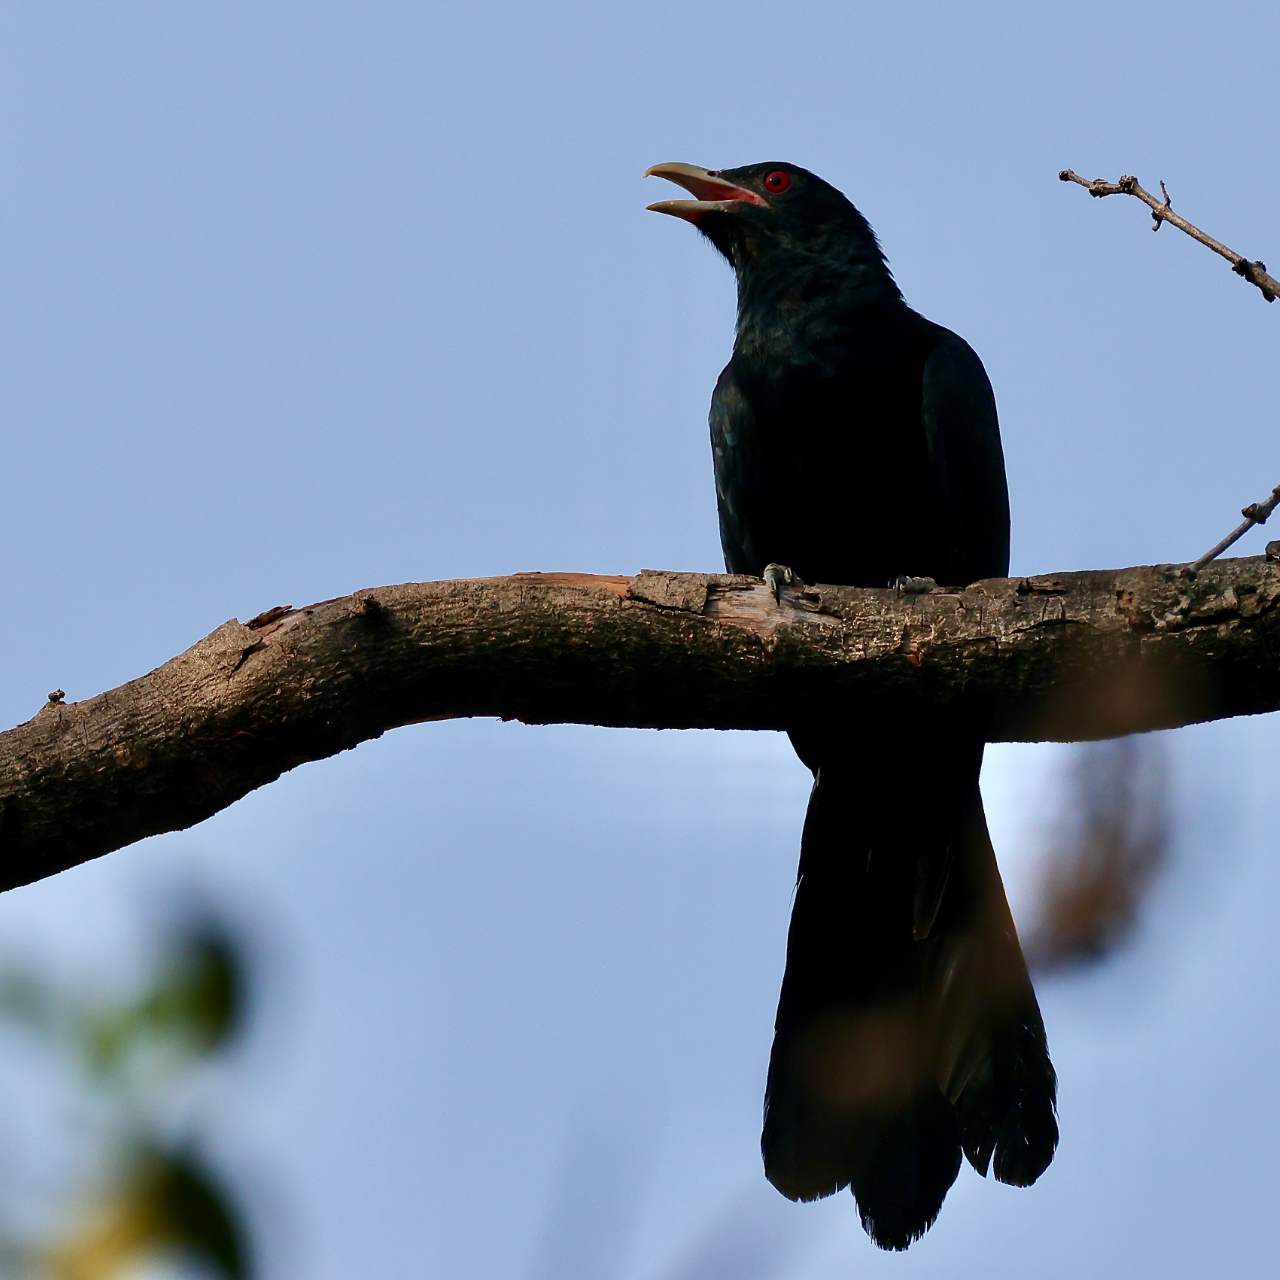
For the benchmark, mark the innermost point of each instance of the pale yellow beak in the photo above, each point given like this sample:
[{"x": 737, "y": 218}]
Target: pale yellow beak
[{"x": 713, "y": 193}]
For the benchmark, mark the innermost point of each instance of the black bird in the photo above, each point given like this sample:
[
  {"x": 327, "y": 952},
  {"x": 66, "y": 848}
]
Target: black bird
[{"x": 857, "y": 443}]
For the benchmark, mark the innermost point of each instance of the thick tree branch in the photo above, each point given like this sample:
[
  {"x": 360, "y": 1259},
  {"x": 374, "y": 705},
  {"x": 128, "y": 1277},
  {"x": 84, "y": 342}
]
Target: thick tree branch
[
  {"x": 1162, "y": 211},
  {"x": 1072, "y": 656}
]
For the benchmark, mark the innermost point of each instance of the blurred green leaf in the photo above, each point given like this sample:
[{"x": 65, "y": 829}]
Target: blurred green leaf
[
  {"x": 194, "y": 1007},
  {"x": 199, "y": 1217},
  {"x": 162, "y": 1203},
  {"x": 201, "y": 997}
]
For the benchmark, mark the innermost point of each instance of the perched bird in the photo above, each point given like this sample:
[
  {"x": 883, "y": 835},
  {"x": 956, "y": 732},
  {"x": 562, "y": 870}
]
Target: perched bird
[{"x": 856, "y": 442}]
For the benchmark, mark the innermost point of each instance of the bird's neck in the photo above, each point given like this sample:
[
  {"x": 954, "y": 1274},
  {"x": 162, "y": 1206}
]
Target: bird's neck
[{"x": 810, "y": 303}]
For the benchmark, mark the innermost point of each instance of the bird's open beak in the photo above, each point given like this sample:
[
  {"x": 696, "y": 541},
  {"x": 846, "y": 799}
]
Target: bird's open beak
[{"x": 712, "y": 192}]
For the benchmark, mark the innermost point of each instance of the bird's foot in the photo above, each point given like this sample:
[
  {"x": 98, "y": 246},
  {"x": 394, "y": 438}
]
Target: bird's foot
[
  {"x": 905, "y": 584},
  {"x": 779, "y": 576}
]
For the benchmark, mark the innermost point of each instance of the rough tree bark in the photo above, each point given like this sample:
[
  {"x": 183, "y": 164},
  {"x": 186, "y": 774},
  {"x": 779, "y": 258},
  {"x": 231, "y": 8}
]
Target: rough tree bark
[{"x": 1062, "y": 657}]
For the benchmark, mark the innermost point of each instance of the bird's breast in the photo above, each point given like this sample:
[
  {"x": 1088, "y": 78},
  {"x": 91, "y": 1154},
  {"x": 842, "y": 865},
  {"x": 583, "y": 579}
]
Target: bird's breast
[{"x": 830, "y": 449}]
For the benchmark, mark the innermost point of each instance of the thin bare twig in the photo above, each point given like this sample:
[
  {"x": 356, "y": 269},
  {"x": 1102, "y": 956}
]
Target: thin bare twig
[
  {"x": 1162, "y": 211},
  {"x": 1254, "y": 513}
]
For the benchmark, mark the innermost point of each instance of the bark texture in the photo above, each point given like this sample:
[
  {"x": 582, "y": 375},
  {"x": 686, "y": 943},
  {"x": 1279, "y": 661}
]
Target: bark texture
[{"x": 1061, "y": 657}]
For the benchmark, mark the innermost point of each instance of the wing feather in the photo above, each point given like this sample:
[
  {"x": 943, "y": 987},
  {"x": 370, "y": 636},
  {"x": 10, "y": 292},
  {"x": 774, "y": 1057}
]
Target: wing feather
[{"x": 963, "y": 435}]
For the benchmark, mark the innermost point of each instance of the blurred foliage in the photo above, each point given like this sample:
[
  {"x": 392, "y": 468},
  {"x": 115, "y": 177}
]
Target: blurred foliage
[
  {"x": 192, "y": 1008},
  {"x": 152, "y": 1196},
  {"x": 1108, "y": 848},
  {"x": 162, "y": 1203}
]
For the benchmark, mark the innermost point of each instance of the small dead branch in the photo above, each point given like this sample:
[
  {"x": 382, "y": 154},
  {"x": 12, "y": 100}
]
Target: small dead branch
[
  {"x": 1162, "y": 211},
  {"x": 1254, "y": 513}
]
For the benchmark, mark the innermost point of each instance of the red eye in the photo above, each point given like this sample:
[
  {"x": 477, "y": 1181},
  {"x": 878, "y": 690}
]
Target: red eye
[{"x": 777, "y": 181}]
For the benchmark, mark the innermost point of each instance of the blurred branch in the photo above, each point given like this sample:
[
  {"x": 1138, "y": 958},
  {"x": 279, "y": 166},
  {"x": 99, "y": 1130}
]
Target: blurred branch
[
  {"x": 1162, "y": 211},
  {"x": 1064, "y": 658},
  {"x": 1110, "y": 842}
]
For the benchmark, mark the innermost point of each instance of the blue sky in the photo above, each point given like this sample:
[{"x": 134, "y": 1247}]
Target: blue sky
[{"x": 305, "y": 298}]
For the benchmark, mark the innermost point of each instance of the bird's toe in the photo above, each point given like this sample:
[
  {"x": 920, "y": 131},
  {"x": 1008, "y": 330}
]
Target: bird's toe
[
  {"x": 905, "y": 584},
  {"x": 779, "y": 576}
]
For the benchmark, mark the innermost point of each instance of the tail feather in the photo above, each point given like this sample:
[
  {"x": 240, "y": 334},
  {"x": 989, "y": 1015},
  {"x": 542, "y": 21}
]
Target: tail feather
[
  {"x": 910, "y": 1161},
  {"x": 907, "y": 1028},
  {"x": 993, "y": 1057}
]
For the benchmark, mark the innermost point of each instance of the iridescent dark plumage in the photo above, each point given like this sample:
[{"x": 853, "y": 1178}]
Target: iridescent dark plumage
[{"x": 857, "y": 442}]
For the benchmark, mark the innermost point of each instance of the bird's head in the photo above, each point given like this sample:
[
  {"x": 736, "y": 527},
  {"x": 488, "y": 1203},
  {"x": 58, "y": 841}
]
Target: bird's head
[{"x": 772, "y": 217}]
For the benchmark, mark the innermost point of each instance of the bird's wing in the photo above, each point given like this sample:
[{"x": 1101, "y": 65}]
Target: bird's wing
[
  {"x": 732, "y": 445},
  {"x": 963, "y": 436}
]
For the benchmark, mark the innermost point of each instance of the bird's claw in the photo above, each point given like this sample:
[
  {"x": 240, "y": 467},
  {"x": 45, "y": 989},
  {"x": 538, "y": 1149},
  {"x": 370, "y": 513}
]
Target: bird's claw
[
  {"x": 905, "y": 584},
  {"x": 779, "y": 576}
]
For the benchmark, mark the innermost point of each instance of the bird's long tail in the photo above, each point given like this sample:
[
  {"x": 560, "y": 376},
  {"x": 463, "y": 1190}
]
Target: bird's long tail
[{"x": 907, "y": 1029}]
